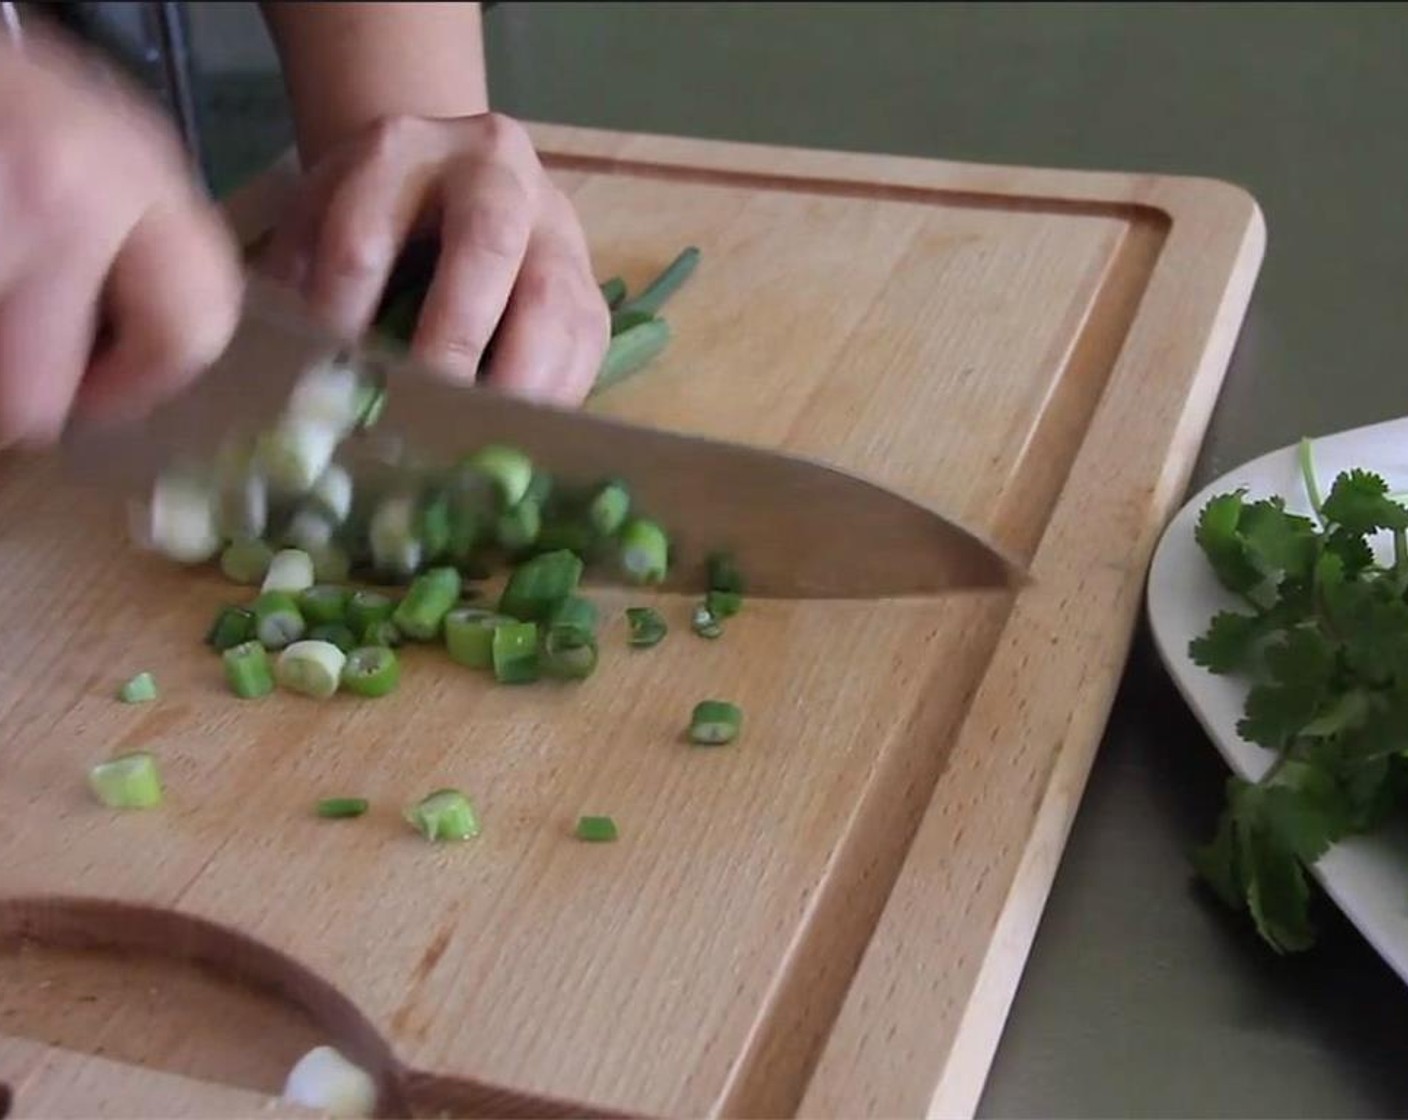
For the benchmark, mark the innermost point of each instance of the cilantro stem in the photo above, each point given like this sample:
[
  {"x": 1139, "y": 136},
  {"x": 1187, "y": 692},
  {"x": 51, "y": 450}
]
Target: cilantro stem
[{"x": 1307, "y": 471}]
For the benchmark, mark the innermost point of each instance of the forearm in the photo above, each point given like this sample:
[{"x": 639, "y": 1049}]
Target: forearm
[{"x": 348, "y": 64}]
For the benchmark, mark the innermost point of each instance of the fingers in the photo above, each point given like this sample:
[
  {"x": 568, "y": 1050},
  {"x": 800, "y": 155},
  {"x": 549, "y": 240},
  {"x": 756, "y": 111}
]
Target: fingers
[
  {"x": 368, "y": 218},
  {"x": 488, "y": 221},
  {"x": 555, "y": 332},
  {"x": 47, "y": 326},
  {"x": 173, "y": 300}
]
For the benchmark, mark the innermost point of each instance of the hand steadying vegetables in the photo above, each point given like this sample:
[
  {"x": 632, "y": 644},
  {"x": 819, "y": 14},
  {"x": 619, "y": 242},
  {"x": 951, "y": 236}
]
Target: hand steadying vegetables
[{"x": 1322, "y": 637}]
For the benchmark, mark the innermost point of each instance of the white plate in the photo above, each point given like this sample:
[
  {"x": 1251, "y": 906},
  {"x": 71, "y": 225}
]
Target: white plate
[{"x": 1367, "y": 877}]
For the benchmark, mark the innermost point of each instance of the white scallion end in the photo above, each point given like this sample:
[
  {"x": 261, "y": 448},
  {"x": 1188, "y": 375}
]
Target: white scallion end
[
  {"x": 184, "y": 519},
  {"x": 294, "y": 455},
  {"x": 327, "y": 1082},
  {"x": 309, "y": 530},
  {"x": 334, "y": 491},
  {"x": 311, "y": 667},
  {"x": 396, "y": 546},
  {"x": 290, "y": 570},
  {"x": 330, "y": 393}
]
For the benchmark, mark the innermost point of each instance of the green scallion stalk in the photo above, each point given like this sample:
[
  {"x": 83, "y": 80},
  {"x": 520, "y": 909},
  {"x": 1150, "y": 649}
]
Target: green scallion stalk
[
  {"x": 295, "y": 453},
  {"x": 246, "y": 561},
  {"x": 596, "y": 830},
  {"x": 714, "y": 723},
  {"x": 509, "y": 469},
  {"x": 342, "y": 808},
  {"x": 704, "y": 623},
  {"x": 310, "y": 667},
  {"x": 446, "y": 814},
  {"x": 323, "y": 603},
  {"x": 277, "y": 619},
  {"x": 654, "y": 295},
  {"x": 371, "y": 671},
  {"x": 536, "y": 586},
  {"x": 724, "y": 574},
  {"x": 630, "y": 350},
  {"x": 435, "y": 525},
  {"x": 127, "y": 781},
  {"x": 382, "y": 632},
  {"x": 247, "y": 670},
  {"x": 644, "y": 551},
  {"x": 569, "y": 642},
  {"x": 366, "y": 607},
  {"x": 430, "y": 598},
  {"x": 613, "y": 291},
  {"x": 141, "y": 689},
  {"x": 723, "y": 604},
  {"x": 338, "y": 633},
  {"x": 232, "y": 626},
  {"x": 609, "y": 507},
  {"x": 469, "y": 636},
  {"x": 290, "y": 570},
  {"x": 517, "y": 528},
  {"x": 647, "y": 627},
  {"x": 515, "y": 653}
]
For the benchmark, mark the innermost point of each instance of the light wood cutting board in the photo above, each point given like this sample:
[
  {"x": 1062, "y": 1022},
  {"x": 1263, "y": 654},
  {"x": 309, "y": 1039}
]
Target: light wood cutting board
[{"x": 828, "y": 917}]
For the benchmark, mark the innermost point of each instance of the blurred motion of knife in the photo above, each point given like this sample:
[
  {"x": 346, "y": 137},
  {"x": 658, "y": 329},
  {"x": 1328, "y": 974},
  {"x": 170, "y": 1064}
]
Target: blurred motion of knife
[{"x": 798, "y": 529}]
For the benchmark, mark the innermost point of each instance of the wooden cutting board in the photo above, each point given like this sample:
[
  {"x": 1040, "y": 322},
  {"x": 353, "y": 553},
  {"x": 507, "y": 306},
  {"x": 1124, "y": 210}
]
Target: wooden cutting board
[{"x": 828, "y": 917}]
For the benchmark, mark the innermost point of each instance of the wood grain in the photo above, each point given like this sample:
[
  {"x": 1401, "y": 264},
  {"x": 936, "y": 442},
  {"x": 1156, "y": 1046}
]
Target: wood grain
[{"x": 832, "y": 914}]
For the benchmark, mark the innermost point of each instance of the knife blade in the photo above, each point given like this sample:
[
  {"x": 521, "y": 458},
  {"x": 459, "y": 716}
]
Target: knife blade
[{"x": 796, "y": 527}]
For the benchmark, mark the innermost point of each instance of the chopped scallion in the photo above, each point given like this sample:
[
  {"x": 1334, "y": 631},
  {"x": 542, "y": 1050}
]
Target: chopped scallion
[
  {"x": 184, "y": 523},
  {"x": 608, "y": 508},
  {"x": 277, "y": 619},
  {"x": 469, "y": 636},
  {"x": 127, "y": 781},
  {"x": 324, "y": 602},
  {"x": 515, "y": 652},
  {"x": 646, "y": 625},
  {"x": 311, "y": 667},
  {"x": 247, "y": 670},
  {"x": 232, "y": 626},
  {"x": 366, "y": 607},
  {"x": 371, "y": 671},
  {"x": 596, "y": 830},
  {"x": 536, "y": 586},
  {"x": 645, "y": 551},
  {"x": 246, "y": 560},
  {"x": 714, "y": 723},
  {"x": 509, "y": 469},
  {"x": 446, "y": 814},
  {"x": 139, "y": 690},
  {"x": 430, "y": 598},
  {"x": 517, "y": 528},
  {"x": 338, "y": 633},
  {"x": 290, "y": 570},
  {"x": 723, "y": 604},
  {"x": 705, "y": 623},
  {"x": 341, "y": 808}
]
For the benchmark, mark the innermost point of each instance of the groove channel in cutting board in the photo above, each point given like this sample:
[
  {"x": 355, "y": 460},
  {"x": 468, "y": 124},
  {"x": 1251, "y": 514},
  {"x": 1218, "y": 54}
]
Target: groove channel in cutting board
[{"x": 954, "y": 351}]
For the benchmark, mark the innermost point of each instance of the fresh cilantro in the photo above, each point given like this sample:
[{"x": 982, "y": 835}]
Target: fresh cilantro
[{"x": 1324, "y": 651}]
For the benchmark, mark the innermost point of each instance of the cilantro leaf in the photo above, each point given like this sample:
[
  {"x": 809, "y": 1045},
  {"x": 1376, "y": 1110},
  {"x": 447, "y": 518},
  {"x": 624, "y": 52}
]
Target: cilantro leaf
[
  {"x": 1277, "y": 894},
  {"x": 1373, "y": 624},
  {"x": 1277, "y": 543},
  {"x": 1300, "y": 666},
  {"x": 1351, "y": 549},
  {"x": 1216, "y": 534},
  {"x": 1227, "y": 644},
  {"x": 1359, "y": 502}
]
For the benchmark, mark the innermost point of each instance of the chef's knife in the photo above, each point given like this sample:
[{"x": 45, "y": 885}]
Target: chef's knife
[{"x": 797, "y": 529}]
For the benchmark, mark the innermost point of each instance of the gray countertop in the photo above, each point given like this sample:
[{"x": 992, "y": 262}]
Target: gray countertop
[{"x": 1140, "y": 998}]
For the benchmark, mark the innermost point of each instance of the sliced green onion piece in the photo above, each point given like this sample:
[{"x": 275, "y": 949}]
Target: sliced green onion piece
[
  {"x": 371, "y": 671},
  {"x": 469, "y": 635},
  {"x": 517, "y": 528},
  {"x": 341, "y": 808},
  {"x": 247, "y": 670},
  {"x": 430, "y": 598},
  {"x": 446, "y": 814},
  {"x": 435, "y": 525},
  {"x": 395, "y": 541},
  {"x": 244, "y": 505},
  {"x": 466, "y": 529},
  {"x": 509, "y": 469},
  {"x": 609, "y": 507},
  {"x": 332, "y": 493},
  {"x": 536, "y": 586},
  {"x": 338, "y": 633},
  {"x": 277, "y": 619},
  {"x": 331, "y": 564},
  {"x": 596, "y": 830},
  {"x": 724, "y": 574},
  {"x": 655, "y": 294},
  {"x": 647, "y": 626},
  {"x": 366, "y": 607},
  {"x": 232, "y": 626},
  {"x": 515, "y": 653},
  {"x": 184, "y": 518},
  {"x": 704, "y": 623},
  {"x": 291, "y": 570},
  {"x": 324, "y": 602},
  {"x": 569, "y": 655},
  {"x": 127, "y": 781},
  {"x": 310, "y": 529},
  {"x": 714, "y": 722},
  {"x": 645, "y": 551},
  {"x": 139, "y": 690},
  {"x": 723, "y": 604},
  {"x": 574, "y": 614},
  {"x": 311, "y": 667},
  {"x": 296, "y": 452},
  {"x": 382, "y": 632},
  {"x": 246, "y": 561},
  {"x": 331, "y": 394}
]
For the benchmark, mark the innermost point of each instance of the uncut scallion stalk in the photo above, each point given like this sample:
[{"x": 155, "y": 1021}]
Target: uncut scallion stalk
[
  {"x": 127, "y": 781},
  {"x": 248, "y": 671},
  {"x": 446, "y": 814},
  {"x": 295, "y": 453}
]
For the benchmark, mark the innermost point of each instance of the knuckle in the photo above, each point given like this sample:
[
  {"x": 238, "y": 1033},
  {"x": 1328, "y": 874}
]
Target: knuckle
[
  {"x": 390, "y": 138},
  {"x": 44, "y": 180},
  {"x": 504, "y": 134},
  {"x": 498, "y": 228},
  {"x": 352, "y": 253}
]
